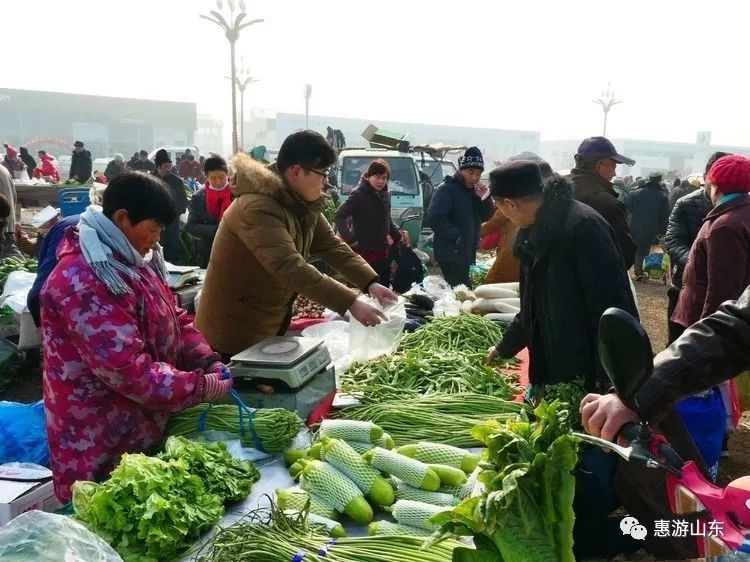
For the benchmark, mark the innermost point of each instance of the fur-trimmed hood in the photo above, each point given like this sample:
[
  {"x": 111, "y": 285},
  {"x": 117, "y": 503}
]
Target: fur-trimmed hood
[
  {"x": 550, "y": 219},
  {"x": 253, "y": 177}
]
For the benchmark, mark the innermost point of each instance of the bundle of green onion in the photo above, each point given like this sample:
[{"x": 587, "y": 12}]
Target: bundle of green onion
[
  {"x": 274, "y": 428},
  {"x": 438, "y": 418},
  {"x": 271, "y": 535}
]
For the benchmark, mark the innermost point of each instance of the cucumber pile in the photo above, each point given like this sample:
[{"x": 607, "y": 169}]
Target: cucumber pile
[{"x": 354, "y": 469}]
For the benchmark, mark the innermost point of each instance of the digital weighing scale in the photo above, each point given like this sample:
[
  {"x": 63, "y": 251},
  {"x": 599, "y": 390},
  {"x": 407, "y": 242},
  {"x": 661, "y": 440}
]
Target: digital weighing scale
[{"x": 284, "y": 372}]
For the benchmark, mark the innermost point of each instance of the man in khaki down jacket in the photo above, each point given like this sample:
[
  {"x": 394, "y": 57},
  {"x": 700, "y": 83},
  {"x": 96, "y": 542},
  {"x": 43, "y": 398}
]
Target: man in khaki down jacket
[{"x": 259, "y": 258}]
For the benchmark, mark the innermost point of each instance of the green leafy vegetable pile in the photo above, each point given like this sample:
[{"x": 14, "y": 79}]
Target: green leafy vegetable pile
[
  {"x": 526, "y": 511},
  {"x": 153, "y": 508},
  {"x": 229, "y": 478},
  {"x": 9, "y": 265},
  {"x": 570, "y": 394},
  {"x": 415, "y": 373}
]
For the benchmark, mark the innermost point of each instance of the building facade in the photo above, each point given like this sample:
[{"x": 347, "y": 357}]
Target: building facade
[
  {"x": 209, "y": 134},
  {"x": 270, "y": 128},
  {"x": 52, "y": 121}
]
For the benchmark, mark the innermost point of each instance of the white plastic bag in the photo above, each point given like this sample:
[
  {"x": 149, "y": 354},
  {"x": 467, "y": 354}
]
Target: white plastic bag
[
  {"x": 368, "y": 343},
  {"x": 447, "y": 306},
  {"x": 48, "y": 537},
  {"x": 436, "y": 287},
  {"x": 335, "y": 334}
]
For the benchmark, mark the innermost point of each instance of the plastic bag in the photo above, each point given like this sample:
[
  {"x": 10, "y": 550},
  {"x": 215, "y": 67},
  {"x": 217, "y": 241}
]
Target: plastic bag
[
  {"x": 368, "y": 343},
  {"x": 23, "y": 436},
  {"x": 48, "y": 537},
  {"x": 335, "y": 334},
  {"x": 436, "y": 287},
  {"x": 447, "y": 306}
]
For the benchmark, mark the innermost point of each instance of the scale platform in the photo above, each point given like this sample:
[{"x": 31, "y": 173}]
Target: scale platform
[{"x": 290, "y": 360}]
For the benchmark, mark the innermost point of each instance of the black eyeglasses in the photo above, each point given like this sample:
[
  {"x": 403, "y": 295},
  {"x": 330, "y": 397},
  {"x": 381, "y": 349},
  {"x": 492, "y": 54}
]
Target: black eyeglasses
[{"x": 321, "y": 174}]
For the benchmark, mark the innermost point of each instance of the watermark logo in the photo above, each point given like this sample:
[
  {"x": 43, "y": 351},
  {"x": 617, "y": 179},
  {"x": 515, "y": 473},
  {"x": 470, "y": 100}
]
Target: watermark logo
[{"x": 631, "y": 526}]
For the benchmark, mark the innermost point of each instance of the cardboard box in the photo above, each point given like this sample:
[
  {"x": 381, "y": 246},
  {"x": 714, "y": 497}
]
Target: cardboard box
[{"x": 24, "y": 489}]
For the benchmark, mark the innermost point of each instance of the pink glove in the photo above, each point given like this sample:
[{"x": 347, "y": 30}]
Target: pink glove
[{"x": 215, "y": 387}]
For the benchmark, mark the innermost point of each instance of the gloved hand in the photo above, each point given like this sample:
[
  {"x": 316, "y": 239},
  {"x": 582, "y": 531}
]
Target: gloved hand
[
  {"x": 221, "y": 369},
  {"x": 215, "y": 386}
]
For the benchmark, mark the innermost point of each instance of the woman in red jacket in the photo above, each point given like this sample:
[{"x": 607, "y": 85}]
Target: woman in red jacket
[{"x": 364, "y": 220}]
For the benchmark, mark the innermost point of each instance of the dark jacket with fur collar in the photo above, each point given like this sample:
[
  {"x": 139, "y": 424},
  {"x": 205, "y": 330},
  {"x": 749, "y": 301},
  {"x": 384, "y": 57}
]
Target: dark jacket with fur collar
[{"x": 572, "y": 270}]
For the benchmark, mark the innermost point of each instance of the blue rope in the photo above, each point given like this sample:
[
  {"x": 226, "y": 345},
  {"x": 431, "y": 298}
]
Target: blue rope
[
  {"x": 299, "y": 556},
  {"x": 202, "y": 419},
  {"x": 244, "y": 408},
  {"x": 323, "y": 550}
]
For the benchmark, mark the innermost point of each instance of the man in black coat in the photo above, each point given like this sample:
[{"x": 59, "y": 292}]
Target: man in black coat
[
  {"x": 81, "y": 163},
  {"x": 596, "y": 163},
  {"x": 571, "y": 272},
  {"x": 170, "y": 236},
  {"x": 649, "y": 213},
  {"x": 142, "y": 163},
  {"x": 457, "y": 210},
  {"x": 684, "y": 223}
]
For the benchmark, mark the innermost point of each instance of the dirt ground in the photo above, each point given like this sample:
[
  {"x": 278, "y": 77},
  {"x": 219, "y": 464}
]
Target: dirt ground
[{"x": 652, "y": 297}]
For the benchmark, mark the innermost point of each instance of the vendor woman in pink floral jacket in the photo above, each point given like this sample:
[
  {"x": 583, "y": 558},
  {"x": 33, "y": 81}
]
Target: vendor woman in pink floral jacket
[{"x": 119, "y": 355}]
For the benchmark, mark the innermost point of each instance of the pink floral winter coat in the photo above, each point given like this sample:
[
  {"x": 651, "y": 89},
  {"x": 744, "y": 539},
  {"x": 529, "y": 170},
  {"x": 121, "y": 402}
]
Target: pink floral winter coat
[{"x": 115, "y": 367}]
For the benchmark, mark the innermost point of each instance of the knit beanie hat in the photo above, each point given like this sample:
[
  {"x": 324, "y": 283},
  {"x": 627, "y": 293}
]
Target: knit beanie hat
[
  {"x": 10, "y": 151},
  {"x": 472, "y": 158},
  {"x": 516, "y": 178},
  {"x": 161, "y": 157},
  {"x": 731, "y": 174}
]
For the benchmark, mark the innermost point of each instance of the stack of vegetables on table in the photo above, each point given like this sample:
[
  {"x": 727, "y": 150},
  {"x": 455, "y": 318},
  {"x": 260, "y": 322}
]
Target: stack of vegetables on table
[
  {"x": 354, "y": 470},
  {"x": 271, "y": 430},
  {"x": 154, "y": 508},
  {"x": 274, "y": 535},
  {"x": 525, "y": 513},
  {"x": 9, "y": 265}
]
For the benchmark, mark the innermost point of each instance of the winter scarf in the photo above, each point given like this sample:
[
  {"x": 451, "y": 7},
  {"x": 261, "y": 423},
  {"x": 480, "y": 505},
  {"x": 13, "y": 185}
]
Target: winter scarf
[
  {"x": 217, "y": 200},
  {"x": 100, "y": 239}
]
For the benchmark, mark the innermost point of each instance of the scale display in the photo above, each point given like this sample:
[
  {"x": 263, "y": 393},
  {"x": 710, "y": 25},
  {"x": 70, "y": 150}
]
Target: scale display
[{"x": 291, "y": 360}]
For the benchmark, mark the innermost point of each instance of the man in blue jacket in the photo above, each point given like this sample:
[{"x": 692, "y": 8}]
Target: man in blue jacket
[{"x": 457, "y": 210}]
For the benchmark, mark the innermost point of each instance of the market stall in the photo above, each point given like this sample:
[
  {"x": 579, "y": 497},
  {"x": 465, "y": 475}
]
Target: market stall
[{"x": 396, "y": 457}]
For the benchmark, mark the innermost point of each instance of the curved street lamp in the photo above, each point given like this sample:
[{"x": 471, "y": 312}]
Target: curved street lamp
[
  {"x": 607, "y": 100},
  {"x": 232, "y": 25}
]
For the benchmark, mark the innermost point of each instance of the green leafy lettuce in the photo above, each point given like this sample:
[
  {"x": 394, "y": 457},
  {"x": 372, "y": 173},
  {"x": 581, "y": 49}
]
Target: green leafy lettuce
[
  {"x": 526, "y": 511},
  {"x": 223, "y": 475},
  {"x": 150, "y": 509}
]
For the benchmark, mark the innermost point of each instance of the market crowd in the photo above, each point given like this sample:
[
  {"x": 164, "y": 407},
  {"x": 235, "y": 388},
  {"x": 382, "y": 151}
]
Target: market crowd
[{"x": 120, "y": 356}]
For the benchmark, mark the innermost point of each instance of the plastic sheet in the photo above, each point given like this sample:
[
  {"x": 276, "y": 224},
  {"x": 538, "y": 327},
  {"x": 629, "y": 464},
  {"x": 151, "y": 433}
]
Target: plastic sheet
[
  {"x": 48, "y": 537},
  {"x": 23, "y": 436}
]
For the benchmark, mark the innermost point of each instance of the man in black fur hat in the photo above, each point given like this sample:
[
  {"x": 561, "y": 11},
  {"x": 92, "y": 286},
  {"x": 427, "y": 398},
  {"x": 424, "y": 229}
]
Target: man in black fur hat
[{"x": 572, "y": 270}]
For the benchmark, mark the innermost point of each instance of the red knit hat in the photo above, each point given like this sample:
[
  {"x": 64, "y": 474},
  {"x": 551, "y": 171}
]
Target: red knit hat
[
  {"x": 731, "y": 174},
  {"x": 10, "y": 151}
]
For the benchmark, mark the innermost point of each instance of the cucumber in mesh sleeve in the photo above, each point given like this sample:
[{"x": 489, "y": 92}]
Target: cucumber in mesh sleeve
[
  {"x": 335, "y": 489},
  {"x": 404, "y": 468},
  {"x": 350, "y": 430},
  {"x": 339, "y": 454},
  {"x": 416, "y": 514}
]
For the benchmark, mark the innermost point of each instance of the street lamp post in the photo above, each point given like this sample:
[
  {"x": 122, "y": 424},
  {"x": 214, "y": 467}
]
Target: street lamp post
[
  {"x": 308, "y": 94},
  {"x": 232, "y": 25},
  {"x": 607, "y": 100},
  {"x": 243, "y": 80}
]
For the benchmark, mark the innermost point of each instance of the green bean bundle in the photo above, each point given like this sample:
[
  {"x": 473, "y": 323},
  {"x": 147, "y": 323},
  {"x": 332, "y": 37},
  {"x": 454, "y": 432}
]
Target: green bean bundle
[
  {"x": 275, "y": 428},
  {"x": 415, "y": 373},
  {"x": 438, "y": 418},
  {"x": 467, "y": 333}
]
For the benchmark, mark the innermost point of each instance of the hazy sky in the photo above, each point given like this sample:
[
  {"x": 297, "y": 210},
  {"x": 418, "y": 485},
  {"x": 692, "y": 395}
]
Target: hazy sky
[{"x": 680, "y": 66}]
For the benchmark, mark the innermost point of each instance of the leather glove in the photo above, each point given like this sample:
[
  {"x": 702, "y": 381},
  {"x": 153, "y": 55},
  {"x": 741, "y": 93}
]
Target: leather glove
[{"x": 214, "y": 386}]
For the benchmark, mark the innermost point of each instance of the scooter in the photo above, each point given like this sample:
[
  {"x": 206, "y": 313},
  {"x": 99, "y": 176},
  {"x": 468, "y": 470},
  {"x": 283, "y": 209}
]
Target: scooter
[{"x": 626, "y": 355}]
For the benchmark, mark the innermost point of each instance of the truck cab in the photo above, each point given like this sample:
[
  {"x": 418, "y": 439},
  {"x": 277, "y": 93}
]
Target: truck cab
[{"x": 405, "y": 185}]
